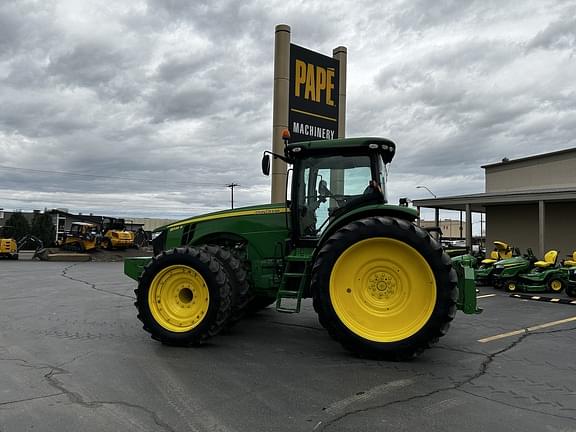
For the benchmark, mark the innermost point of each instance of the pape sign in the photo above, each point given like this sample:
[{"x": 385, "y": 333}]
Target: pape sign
[{"x": 314, "y": 85}]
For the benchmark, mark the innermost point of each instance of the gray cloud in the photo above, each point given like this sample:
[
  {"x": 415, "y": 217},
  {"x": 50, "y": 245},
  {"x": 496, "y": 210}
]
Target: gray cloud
[
  {"x": 559, "y": 35},
  {"x": 177, "y": 95}
]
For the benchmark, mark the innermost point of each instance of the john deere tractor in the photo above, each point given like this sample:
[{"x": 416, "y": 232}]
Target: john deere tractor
[{"x": 381, "y": 285}]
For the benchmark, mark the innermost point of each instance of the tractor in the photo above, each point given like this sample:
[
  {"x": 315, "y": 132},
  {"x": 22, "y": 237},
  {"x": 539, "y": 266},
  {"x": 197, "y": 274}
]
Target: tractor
[{"x": 380, "y": 284}]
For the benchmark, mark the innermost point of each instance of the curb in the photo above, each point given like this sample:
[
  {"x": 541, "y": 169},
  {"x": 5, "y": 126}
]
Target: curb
[{"x": 544, "y": 299}]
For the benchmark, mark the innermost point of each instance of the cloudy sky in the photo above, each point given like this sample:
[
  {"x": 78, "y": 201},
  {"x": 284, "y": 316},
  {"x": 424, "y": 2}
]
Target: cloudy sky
[{"x": 149, "y": 108}]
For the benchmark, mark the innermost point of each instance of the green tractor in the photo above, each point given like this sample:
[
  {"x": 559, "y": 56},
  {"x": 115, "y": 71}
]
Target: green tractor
[{"x": 380, "y": 284}]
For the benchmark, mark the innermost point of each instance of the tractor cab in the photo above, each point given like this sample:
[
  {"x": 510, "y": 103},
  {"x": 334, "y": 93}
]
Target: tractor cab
[{"x": 332, "y": 179}]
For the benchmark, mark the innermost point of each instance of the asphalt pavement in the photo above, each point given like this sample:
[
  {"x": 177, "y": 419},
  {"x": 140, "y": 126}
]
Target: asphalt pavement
[{"x": 73, "y": 357}]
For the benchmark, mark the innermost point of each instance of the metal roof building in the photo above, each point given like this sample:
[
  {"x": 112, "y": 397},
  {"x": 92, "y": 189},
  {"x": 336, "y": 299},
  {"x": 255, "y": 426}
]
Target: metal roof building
[{"x": 529, "y": 202}]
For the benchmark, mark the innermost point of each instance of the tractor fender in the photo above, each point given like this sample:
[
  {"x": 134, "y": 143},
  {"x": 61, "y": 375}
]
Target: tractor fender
[{"x": 399, "y": 212}]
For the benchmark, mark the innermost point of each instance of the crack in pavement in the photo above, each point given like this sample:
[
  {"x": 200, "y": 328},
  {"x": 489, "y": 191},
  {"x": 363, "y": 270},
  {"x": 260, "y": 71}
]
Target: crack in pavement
[
  {"x": 482, "y": 370},
  {"x": 91, "y": 285},
  {"x": 79, "y": 400},
  {"x": 76, "y": 398},
  {"x": 29, "y": 399}
]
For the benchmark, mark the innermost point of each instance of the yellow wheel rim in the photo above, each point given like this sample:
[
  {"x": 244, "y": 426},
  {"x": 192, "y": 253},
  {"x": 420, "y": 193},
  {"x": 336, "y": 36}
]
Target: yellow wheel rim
[
  {"x": 178, "y": 298},
  {"x": 556, "y": 285},
  {"x": 382, "y": 289},
  {"x": 511, "y": 286}
]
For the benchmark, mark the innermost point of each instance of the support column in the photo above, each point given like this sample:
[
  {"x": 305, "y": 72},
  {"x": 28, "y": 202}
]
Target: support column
[
  {"x": 419, "y": 219},
  {"x": 437, "y": 217},
  {"x": 541, "y": 230},
  {"x": 469, "y": 227},
  {"x": 336, "y": 175},
  {"x": 280, "y": 109}
]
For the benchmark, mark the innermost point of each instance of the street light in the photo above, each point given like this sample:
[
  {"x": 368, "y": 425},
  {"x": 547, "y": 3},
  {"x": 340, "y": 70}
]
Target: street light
[
  {"x": 424, "y": 187},
  {"x": 436, "y": 209}
]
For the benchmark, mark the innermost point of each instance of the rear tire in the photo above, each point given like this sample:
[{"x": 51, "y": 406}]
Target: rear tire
[
  {"x": 237, "y": 276},
  {"x": 384, "y": 289},
  {"x": 183, "y": 297}
]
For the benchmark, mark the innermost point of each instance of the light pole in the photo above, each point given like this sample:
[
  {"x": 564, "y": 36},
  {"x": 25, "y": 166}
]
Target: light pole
[
  {"x": 424, "y": 187},
  {"x": 436, "y": 209}
]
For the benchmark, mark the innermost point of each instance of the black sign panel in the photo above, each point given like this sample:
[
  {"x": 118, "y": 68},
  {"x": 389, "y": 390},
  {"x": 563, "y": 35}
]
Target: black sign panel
[{"x": 314, "y": 84}]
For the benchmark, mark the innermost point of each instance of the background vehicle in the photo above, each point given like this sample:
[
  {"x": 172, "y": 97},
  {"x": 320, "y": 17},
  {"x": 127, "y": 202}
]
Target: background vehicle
[
  {"x": 484, "y": 271},
  {"x": 544, "y": 276},
  {"x": 380, "y": 284},
  {"x": 115, "y": 235},
  {"x": 82, "y": 237},
  {"x": 8, "y": 245},
  {"x": 508, "y": 270}
]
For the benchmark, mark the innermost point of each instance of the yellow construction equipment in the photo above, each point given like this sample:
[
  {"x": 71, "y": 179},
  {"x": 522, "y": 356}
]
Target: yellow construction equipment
[
  {"x": 8, "y": 245},
  {"x": 115, "y": 235},
  {"x": 82, "y": 237}
]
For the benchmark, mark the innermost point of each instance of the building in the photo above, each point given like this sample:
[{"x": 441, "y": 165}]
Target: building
[
  {"x": 451, "y": 229},
  {"x": 529, "y": 202}
]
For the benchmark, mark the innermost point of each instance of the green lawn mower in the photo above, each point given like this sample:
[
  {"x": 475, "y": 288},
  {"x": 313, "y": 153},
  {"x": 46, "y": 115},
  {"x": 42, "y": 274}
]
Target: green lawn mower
[
  {"x": 502, "y": 251},
  {"x": 510, "y": 269},
  {"x": 545, "y": 276}
]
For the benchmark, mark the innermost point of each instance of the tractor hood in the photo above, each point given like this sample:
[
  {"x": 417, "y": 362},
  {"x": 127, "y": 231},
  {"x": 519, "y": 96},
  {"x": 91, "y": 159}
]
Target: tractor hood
[{"x": 242, "y": 211}]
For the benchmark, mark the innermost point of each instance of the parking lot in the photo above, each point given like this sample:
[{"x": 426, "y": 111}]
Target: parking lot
[{"x": 73, "y": 357}]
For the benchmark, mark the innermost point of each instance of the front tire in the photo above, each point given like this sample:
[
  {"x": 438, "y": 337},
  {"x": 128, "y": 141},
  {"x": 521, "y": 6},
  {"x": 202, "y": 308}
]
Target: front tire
[
  {"x": 511, "y": 286},
  {"x": 555, "y": 285},
  {"x": 383, "y": 288},
  {"x": 183, "y": 297}
]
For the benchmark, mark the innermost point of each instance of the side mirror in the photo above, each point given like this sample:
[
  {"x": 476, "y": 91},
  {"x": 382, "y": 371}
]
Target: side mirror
[{"x": 266, "y": 164}]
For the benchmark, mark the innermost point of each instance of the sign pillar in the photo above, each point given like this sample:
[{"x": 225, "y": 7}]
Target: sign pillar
[
  {"x": 341, "y": 54},
  {"x": 280, "y": 109},
  {"x": 337, "y": 176}
]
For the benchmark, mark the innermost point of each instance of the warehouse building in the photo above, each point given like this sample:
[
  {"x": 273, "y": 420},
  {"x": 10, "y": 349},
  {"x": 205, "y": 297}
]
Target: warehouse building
[{"x": 528, "y": 202}]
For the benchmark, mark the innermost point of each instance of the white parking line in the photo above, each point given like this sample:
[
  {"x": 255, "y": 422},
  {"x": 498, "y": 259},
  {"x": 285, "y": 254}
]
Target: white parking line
[
  {"x": 525, "y": 330},
  {"x": 486, "y": 295}
]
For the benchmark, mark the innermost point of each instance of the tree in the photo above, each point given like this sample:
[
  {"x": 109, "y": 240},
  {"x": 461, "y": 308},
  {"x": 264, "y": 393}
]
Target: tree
[
  {"x": 43, "y": 228},
  {"x": 18, "y": 224}
]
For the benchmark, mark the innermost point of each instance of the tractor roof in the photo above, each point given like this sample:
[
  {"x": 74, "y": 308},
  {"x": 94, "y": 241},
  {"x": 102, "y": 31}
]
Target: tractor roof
[{"x": 342, "y": 146}]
